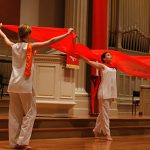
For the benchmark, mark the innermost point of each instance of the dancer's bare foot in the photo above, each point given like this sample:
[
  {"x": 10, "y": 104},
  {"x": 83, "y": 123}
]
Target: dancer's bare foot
[
  {"x": 109, "y": 138},
  {"x": 96, "y": 134}
]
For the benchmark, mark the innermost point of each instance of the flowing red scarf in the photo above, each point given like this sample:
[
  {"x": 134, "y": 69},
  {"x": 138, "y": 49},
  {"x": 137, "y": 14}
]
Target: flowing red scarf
[
  {"x": 41, "y": 34},
  {"x": 132, "y": 65}
]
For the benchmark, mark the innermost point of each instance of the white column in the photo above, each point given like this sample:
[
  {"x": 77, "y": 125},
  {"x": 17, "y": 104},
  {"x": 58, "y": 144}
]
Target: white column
[
  {"x": 29, "y": 12},
  {"x": 76, "y": 17}
]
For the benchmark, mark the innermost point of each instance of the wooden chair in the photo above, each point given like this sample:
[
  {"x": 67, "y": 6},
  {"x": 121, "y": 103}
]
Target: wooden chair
[{"x": 135, "y": 101}]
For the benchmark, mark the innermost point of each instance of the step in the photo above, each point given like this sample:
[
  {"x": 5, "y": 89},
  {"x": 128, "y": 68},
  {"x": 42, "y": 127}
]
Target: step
[
  {"x": 43, "y": 122},
  {"x": 80, "y": 127},
  {"x": 80, "y": 132},
  {"x": 4, "y": 105}
]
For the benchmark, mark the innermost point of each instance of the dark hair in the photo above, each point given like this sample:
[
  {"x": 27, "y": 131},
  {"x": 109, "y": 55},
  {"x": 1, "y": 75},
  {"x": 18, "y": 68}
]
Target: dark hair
[
  {"x": 103, "y": 56},
  {"x": 23, "y": 31}
]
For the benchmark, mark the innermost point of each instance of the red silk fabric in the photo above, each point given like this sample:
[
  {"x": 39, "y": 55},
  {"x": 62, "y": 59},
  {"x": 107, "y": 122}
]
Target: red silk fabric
[
  {"x": 40, "y": 34},
  {"x": 132, "y": 65}
]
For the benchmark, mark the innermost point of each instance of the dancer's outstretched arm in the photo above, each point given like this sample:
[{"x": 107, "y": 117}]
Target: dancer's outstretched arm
[
  {"x": 38, "y": 45},
  {"x": 5, "y": 38},
  {"x": 93, "y": 63}
]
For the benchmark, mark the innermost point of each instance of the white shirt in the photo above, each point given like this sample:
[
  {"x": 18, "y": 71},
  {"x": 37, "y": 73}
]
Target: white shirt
[
  {"x": 108, "y": 86},
  {"x": 18, "y": 83}
]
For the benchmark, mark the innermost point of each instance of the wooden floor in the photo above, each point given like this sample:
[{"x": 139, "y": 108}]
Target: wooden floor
[{"x": 118, "y": 143}]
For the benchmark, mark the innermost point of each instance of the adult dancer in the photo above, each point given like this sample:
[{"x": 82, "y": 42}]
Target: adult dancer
[{"x": 22, "y": 107}]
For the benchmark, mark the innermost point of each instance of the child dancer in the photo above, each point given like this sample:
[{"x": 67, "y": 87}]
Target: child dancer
[
  {"x": 22, "y": 107},
  {"x": 107, "y": 92}
]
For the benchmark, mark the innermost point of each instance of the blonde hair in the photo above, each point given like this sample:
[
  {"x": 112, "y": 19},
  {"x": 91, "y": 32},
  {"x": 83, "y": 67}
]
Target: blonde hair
[{"x": 23, "y": 31}]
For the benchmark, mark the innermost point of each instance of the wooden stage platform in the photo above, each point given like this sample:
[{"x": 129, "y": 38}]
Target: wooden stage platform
[{"x": 77, "y": 127}]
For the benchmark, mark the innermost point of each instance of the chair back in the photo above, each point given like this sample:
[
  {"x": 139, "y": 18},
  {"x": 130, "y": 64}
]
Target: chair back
[{"x": 136, "y": 94}]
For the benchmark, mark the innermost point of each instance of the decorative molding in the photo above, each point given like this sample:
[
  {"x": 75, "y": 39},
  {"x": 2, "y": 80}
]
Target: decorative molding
[
  {"x": 56, "y": 102},
  {"x": 46, "y": 58}
]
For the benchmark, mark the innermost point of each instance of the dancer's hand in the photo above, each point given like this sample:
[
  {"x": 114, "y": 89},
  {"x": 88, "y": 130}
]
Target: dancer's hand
[
  {"x": 70, "y": 30},
  {"x": 1, "y": 25}
]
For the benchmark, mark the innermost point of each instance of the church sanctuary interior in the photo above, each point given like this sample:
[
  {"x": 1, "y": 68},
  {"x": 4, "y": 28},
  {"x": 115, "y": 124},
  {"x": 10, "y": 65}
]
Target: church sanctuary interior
[{"x": 67, "y": 107}]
